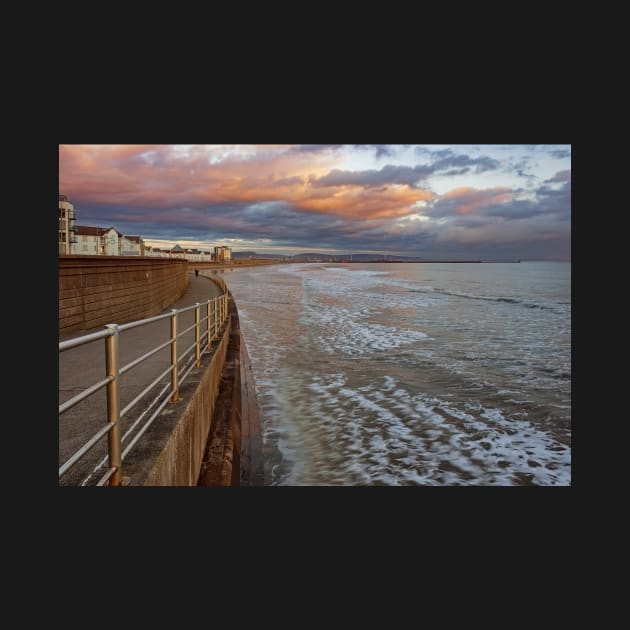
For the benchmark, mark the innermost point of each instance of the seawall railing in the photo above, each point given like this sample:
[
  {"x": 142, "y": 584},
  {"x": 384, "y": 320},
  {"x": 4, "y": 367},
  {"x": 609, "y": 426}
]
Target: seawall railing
[{"x": 210, "y": 317}]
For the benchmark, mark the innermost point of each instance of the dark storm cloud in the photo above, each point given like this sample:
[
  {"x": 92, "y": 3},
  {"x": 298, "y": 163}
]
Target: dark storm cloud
[
  {"x": 290, "y": 227},
  {"x": 157, "y": 223},
  {"x": 560, "y": 176},
  {"x": 449, "y": 164},
  {"x": 481, "y": 164},
  {"x": 387, "y": 175},
  {"x": 515, "y": 210},
  {"x": 555, "y": 201},
  {"x": 487, "y": 205},
  {"x": 456, "y": 171},
  {"x": 278, "y": 221},
  {"x": 313, "y": 148}
]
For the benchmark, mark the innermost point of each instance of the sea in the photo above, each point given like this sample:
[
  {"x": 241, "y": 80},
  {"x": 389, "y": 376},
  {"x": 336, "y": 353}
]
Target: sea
[{"x": 432, "y": 374}]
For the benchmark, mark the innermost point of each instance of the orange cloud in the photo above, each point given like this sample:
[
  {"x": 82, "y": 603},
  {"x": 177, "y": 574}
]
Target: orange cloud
[
  {"x": 166, "y": 176},
  {"x": 472, "y": 198},
  {"x": 358, "y": 202}
]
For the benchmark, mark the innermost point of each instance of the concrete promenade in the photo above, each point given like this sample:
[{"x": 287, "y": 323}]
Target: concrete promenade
[{"x": 85, "y": 365}]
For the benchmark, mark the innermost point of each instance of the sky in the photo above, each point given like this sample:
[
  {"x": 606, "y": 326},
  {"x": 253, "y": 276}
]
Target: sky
[{"x": 443, "y": 201}]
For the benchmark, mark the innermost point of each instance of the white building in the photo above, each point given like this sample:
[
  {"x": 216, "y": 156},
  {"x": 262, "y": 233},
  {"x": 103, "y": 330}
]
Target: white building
[
  {"x": 88, "y": 240},
  {"x": 97, "y": 241},
  {"x": 111, "y": 242},
  {"x": 132, "y": 246},
  {"x": 66, "y": 226},
  {"x": 177, "y": 251},
  {"x": 198, "y": 255}
]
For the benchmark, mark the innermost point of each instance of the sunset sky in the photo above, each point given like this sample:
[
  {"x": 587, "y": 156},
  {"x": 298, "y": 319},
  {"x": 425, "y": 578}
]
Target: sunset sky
[{"x": 479, "y": 201}]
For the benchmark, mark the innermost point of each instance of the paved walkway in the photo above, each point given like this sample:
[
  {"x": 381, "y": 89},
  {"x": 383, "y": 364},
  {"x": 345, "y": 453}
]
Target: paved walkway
[{"x": 85, "y": 365}]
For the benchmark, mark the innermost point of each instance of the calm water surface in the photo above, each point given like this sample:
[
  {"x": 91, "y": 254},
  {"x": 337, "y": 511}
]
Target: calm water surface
[{"x": 403, "y": 374}]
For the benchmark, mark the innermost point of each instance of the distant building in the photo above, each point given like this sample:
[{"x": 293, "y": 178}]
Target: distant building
[
  {"x": 111, "y": 242},
  {"x": 222, "y": 254},
  {"x": 98, "y": 241},
  {"x": 132, "y": 246},
  {"x": 89, "y": 240},
  {"x": 177, "y": 251},
  {"x": 66, "y": 226}
]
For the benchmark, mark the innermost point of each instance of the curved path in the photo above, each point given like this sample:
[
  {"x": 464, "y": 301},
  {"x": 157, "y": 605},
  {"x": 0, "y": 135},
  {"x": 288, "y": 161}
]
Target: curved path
[{"x": 85, "y": 365}]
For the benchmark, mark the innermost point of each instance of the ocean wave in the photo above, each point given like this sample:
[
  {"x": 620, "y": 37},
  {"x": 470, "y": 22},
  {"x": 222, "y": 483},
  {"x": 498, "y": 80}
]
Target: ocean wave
[
  {"x": 383, "y": 434},
  {"x": 484, "y": 298},
  {"x": 366, "y": 377}
]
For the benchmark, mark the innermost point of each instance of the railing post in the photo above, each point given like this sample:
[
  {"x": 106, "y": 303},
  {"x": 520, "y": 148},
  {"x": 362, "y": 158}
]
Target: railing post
[
  {"x": 197, "y": 336},
  {"x": 209, "y": 340},
  {"x": 174, "y": 386},
  {"x": 216, "y": 318},
  {"x": 113, "y": 404}
]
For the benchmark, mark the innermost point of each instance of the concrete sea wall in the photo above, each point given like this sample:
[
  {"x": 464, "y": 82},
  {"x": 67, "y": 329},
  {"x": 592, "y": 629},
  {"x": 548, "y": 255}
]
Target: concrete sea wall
[
  {"x": 172, "y": 452},
  {"x": 98, "y": 290}
]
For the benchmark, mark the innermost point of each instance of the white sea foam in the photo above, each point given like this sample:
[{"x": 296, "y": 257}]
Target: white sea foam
[
  {"x": 411, "y": 438},
  {"x": 342, "y": 330}
]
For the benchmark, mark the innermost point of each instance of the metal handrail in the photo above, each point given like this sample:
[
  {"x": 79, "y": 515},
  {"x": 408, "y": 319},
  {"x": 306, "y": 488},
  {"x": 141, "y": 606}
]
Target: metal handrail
[
  {"x": 79, "y": 341},
  {"x": 84, "y": 449},
  {"x": 86, "y": 393},
  {"x": 145, "y": 356},
  {"x": 111, "y": 334},
  {"x": 145, "y": 391},
  {"x": 142, "y": 322}
]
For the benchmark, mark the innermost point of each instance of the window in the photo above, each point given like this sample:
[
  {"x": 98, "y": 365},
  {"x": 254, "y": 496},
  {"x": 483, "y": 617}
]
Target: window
[{"x": 84, "y": 247}]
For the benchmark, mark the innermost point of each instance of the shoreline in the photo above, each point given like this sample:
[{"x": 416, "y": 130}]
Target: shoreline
[
  {"x": 258, "y": 263},
  {"x": 231, "y": 265}
]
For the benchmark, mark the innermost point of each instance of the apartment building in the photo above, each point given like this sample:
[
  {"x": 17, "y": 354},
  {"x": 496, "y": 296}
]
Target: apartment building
[
  {"x": 222, "y": 253},
  {"x": 67, "y": 228}
]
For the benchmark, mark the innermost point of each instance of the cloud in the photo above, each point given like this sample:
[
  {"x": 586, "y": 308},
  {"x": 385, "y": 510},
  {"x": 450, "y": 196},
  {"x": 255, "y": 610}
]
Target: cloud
[
  {"x": 560, "y": 153},
  {"x": 561, "y": 176},
  {"x": 383, "y": 150},
  {"x": 199, "y": 176},
  {"x": 520, "y": 209},
  {"x": 466, "y": 207},
  {"x": 305, "y": 196},
  {"x": 465, "y": 200},
  {"x": 387, "y": 175},
  {"x": 314, "y": 148},
  {"x": 481, "y": 164},
  {"x": 449, "y": 164},
  {"x": 287, "y": 181}
]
